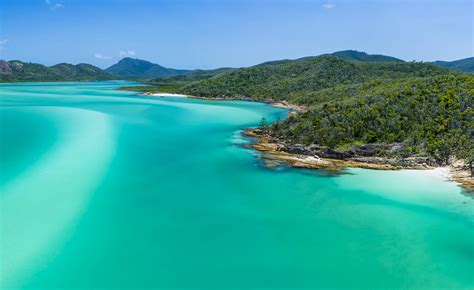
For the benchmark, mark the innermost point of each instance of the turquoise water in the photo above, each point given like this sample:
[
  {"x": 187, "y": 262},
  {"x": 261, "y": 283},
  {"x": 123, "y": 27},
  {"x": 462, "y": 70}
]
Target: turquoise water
[{"x": 103, "y": 189}]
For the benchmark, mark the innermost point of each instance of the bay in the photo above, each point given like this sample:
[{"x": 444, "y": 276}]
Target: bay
[{"x": 102, "y": 188}]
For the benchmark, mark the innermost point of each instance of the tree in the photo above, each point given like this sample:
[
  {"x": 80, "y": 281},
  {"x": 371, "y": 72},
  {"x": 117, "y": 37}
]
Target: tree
[{"x": 263, "y": 123}]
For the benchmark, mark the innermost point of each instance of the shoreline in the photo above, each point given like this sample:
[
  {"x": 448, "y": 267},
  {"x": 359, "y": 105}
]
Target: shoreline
[
  {"x": 164, "y": 95},
  {"x": 293, "y": 109},
  {"x": 273, "y": 155}
]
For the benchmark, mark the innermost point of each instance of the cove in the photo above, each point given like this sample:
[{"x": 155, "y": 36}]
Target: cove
[{"x": 101, "y": 188}]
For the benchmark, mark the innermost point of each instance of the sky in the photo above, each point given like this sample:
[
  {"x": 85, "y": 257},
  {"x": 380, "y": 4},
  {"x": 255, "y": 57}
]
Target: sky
[{"x": 217, "y": 33}]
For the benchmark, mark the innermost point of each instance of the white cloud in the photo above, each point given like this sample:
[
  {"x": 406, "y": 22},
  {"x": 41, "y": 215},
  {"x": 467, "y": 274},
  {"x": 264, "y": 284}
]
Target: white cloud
[
  {"x": 3, "y": 43},
  {"x": 328, "y": 6},
  {"x": 122, "y": 53},
  {"x": 53, "y": 5},
  {"x": 101, "y": 56},
  {"x": 125, "y": 53}
]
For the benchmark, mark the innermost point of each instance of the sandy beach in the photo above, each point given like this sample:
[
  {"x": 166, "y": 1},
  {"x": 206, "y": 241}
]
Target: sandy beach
[{"x": 164, "y": 95}]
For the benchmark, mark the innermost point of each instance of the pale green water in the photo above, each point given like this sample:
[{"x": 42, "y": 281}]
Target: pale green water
[{"x": 101, "y": 189}]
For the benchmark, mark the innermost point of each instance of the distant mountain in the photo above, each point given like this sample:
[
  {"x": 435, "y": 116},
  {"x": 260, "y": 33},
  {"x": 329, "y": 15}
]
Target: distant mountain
[
  {"x": 465, "y": 65},
  {"x": 137, "y": 68},
  {"x": 18, "y": 71},
  {"x": 354, "y": 55}
]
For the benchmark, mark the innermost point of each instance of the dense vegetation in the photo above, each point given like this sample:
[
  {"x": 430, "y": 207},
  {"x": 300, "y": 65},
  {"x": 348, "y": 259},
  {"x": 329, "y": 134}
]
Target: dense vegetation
[
  {"x": 466, "y": 65},
  {"x": 295, "y": 79},
  {"x": 17, "y": 71},
  {"x": 137, "y": 68},
  {"x": 431, "y": 116},
  {"x": 194, "y": 75},
  {"x": 427, "y": 109}
]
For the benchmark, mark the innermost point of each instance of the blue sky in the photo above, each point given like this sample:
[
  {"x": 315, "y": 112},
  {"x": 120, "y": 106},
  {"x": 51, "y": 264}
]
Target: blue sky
[{"x": 216, "y": 33}]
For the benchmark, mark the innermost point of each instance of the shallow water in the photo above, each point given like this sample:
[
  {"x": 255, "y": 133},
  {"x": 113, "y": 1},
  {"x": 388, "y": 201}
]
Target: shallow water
[{"x": 103, "y": 189}]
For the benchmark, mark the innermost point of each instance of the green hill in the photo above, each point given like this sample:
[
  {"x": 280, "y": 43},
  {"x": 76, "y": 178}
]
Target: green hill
[
  {"x": 137, "y": 68},
  {"x": 355, "y": 55},
  {"x": 294, "y": 79},
  {"x": 431, "y": 116},
  {"x": 465, "y": 65},
  {"x": 18, "y": 71},
  {"x": 194, "y": 75}
]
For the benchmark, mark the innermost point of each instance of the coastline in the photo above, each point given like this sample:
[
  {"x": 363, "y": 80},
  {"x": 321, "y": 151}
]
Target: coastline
[
  {"x": 163, "y": 95},
  {"x": 462, "y": 177},
  {"x": 278, "y": 104},
  {"x": 273, "y": 153}
]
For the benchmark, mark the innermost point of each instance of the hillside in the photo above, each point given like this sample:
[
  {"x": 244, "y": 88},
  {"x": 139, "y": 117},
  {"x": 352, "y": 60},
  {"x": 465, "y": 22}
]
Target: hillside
[
  {"x": 18, "y": 71},
  {"x": 355, "y": 55},
  {"x": 193, "y": 75},
  {"x": 432, "y": 116},
  {"x": 293, "y": 79},
  {"x": 465, "y": 65},
  {"x": 137, "y": 68}
]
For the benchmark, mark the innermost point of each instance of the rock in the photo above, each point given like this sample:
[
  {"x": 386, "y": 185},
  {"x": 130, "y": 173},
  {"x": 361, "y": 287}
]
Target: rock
[
  {"x": 396, "y": 148},
  {"x": 459, "y": 164},
  {"x": 365, "y": 150},
  {"x": 334, "y": 154},
  {"x": 416, "y": 161},
  {"x": 298, "y": 149},
  {"x": 377, "y": 149},
  {"x": 17, "y": 65},
  {"x": 271, "y": 163},
  {"x": 410, "y": 162},
  {"x": 5, "y": 68},
  {"x": 315, "y": 147},
  {"x": 372, "y": 159}
]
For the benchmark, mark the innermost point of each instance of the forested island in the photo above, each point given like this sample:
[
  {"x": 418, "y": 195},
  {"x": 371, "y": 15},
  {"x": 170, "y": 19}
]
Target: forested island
[{"x": 19, "y": 71}]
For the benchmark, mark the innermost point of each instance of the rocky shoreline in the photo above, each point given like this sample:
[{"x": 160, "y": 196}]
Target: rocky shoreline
[{"x": 319, "y": 157}]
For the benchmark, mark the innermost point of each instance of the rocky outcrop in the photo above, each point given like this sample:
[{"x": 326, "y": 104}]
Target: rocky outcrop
[
  {"x": 5, "y": 68},
  {"x": 376, "y": 156},
  {"x": 463, "y": 173},
  {"x": 409, "y": 162},
  {"x": 368, "y": 153}
]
